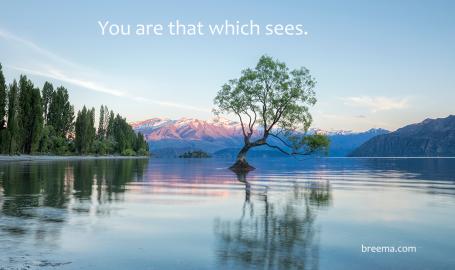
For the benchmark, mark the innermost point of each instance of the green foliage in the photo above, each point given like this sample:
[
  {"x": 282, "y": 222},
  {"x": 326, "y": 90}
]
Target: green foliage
[
  {"x": 3, "y": 97},
  {"x": 61, "y": 146},
  {"x": 103, "y": 146},
  {"x": 120, "y": 137},
  {"x": 317, "y": 142},
  {"x": 126, "y": 138},
  {"x": 53, "y": 143},
  {"x": 311, "y": 143},
  {"x": 271, "y": 94},
  {"x": 110, "y": 145},
  {"x": 12, "y": 127},
  {"x": 270, "y": 99},
  {"x": 141, "y": 146},
  {"x": 45, "y": 141},
  {"x": 101, "y": 124},
  {"x": 60, "y": 112},
  {"x": 85, "y": 130},
  {"x": 142, "y": 152},
  {"x": 99, "y": 147},
  {"x": 128, "y": 152},
  {"x": 104, "y": 121},
  {"x": 30, "y": 115},
  {"x": 43, "y": 121},
  {"x": 194, "y": 154},
  {"x": 47, "y": 93},
  {"x": 110, "y": 125}
]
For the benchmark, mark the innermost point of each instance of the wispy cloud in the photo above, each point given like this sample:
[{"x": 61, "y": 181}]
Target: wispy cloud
[
  {"x": 95, "y": 86},
  {"x": 60, "y": 76},
  {"x": 67, "y": 70},
  {"x": 375, "y": 104},
  {"x": 34, "y": 47}
]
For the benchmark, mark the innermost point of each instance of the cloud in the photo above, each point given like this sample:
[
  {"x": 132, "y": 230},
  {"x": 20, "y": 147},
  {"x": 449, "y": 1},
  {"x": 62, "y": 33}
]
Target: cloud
[
  {"x": 34, "y": 47},
  {"x": 72, "y": 68},
  {"x": 375, "y": 104},
  {"x": 94, "y": 86},
  {"x": 59, "y": 75}
]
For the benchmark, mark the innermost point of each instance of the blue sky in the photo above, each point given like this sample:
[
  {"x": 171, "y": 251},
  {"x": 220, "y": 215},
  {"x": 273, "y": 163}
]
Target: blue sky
[{"x": 377, "y": 63}]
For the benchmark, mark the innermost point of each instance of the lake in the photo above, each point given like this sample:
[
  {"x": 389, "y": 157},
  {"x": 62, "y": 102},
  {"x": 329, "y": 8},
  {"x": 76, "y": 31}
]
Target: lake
[{"x": 318, "y": 213}]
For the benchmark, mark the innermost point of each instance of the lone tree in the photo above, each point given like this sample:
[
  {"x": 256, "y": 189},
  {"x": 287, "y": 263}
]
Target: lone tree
[{"x": 272, "y": 102}]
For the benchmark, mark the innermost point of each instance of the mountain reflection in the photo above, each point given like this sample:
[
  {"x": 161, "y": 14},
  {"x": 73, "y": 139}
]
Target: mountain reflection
[{"x": 278, "y": 234}]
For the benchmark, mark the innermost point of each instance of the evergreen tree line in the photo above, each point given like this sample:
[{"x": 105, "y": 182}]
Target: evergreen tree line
[{"x": 34, "y": 121}]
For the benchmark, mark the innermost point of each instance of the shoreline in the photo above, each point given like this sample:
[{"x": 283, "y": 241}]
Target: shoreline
[
  {"x": 55, "y": 157},
  {"x": 94, "y": 157}
]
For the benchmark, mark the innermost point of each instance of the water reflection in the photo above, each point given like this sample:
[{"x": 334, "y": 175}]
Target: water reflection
[
  {"x": 37, "y": 198},
  {"x": 196, "y": 214},
  {"x": 271, "y": 233}
]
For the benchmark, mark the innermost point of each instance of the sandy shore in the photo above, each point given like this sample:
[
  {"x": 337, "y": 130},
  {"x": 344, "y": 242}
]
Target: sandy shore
[{"x": 50, "y": 157}]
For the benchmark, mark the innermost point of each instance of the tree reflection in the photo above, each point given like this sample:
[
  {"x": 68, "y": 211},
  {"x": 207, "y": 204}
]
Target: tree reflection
[
  {"x": 274, "y": 234},
  {"x": 38, "y": 195}
]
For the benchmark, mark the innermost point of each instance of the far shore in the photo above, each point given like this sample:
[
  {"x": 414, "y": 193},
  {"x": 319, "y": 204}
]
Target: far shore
[{"x": 54, "y": 157}]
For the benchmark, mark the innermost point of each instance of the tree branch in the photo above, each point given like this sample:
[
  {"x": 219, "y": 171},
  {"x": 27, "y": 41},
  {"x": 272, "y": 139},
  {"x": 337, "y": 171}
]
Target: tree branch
[
  {"x": 293, "y": 153},
  {"x": 241, "y": 122},
  {"x": 302, "y": 154},
  {"x": 278, "y": 148},
  {"x": 254, "y": 121},
  {"x": 264, "y": 107},
  {"x": 283, "y": 141},
  {"x": 250, "y": 119},
  {"x": 278, "y": 114}
]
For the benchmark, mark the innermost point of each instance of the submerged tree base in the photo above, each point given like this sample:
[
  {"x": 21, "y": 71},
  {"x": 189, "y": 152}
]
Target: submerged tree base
[{"x": 241, "y": 166}]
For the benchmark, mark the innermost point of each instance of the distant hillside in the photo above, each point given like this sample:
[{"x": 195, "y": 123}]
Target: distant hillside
[
  {"x": 342, "y": 145},
  {"x": 431, "y": 137},
  {"x": 223, "y": 138}
]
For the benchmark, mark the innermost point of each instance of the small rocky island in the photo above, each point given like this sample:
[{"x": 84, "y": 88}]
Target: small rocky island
[{"x": 195, "y": 154}]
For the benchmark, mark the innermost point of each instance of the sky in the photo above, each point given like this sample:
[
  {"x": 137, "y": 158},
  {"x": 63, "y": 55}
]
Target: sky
[{"x": 378, "y": 64}]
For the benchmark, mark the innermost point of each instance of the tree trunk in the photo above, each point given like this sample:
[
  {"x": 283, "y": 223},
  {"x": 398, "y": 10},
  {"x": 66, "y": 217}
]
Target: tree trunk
[{"x": 241, "y": 165}]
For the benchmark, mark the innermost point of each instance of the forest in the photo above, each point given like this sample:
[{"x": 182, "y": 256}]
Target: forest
[{"x": 34, "y": 121}]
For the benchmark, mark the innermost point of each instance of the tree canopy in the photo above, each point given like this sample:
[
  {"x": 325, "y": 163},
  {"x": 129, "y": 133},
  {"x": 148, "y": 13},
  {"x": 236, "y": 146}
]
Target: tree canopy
[
  {"x": 271, "y": 100},
  {"x": 34, "y": 121},
  {"x": 3, "y": 98}
]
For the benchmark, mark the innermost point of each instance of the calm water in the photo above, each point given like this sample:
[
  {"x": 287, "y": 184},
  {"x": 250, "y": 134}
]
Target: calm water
[{"x": 196, "y": 214}]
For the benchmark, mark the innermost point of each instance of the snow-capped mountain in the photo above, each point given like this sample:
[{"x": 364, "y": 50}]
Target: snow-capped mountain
[
  {"x": 330, "y": 132},
  {"x": 150, "y": 123},
  {"x": 156, "y": 129},
  {"x": 169, "y": 137}
]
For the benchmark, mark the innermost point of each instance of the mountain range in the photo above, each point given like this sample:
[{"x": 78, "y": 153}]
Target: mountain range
[
  {"x": 431, "y": 137},
  {"x": 223, "y": 138}
]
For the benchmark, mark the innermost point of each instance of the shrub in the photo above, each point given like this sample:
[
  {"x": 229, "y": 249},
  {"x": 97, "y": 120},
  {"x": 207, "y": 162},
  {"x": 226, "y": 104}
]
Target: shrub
[{"x": 128, "y": 152}]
